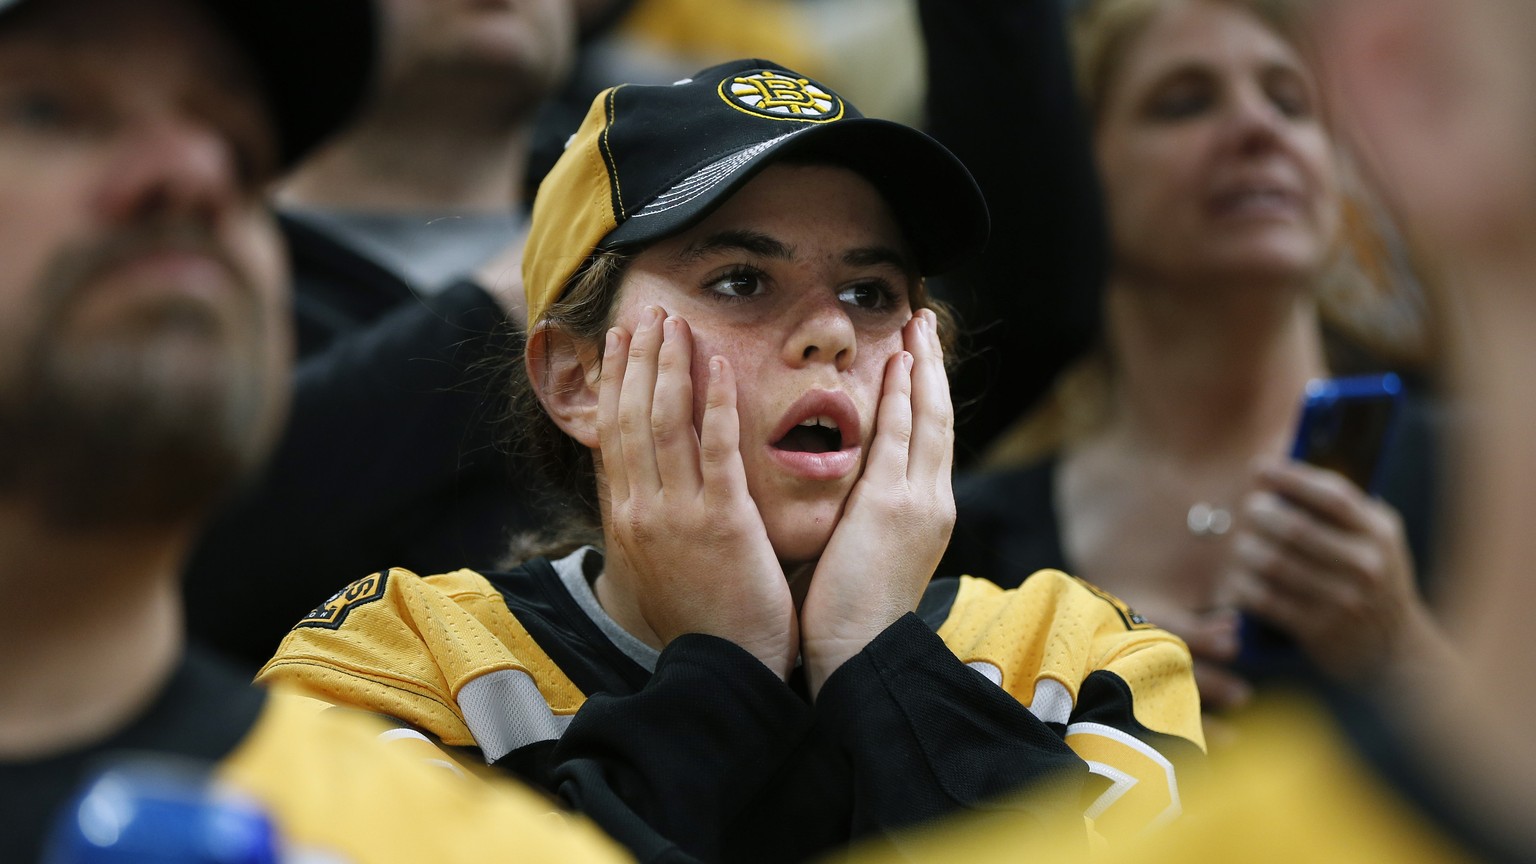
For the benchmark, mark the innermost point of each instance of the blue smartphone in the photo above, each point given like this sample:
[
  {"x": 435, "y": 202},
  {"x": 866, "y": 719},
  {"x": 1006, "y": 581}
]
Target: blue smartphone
[{"x": 1346, "y": 425}]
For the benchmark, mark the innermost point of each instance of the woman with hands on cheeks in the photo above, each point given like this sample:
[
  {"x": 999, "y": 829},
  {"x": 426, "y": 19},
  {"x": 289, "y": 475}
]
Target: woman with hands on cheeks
[
  {"x": 828, "y": 544},
  {"x": 736, "y": 651}
]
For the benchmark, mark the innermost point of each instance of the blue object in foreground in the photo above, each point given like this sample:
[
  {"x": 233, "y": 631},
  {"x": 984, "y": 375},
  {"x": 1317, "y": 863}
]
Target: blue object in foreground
[{"x": 167, "y": 813}]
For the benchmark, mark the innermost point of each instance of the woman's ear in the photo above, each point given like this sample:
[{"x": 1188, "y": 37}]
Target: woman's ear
[{"x": 564, "y": 374}]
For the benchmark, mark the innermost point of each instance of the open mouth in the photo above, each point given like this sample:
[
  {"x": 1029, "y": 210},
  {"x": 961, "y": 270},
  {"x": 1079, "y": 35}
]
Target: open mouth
[
  {"x": 812, "y": 435},
  {"x": 819, "y": 439}
]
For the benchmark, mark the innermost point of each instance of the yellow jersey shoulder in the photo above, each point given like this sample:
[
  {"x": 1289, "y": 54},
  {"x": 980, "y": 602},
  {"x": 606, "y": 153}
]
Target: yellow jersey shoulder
[
  {"x": 404, "y": 645},
  {"x": 333, "y": 787}
]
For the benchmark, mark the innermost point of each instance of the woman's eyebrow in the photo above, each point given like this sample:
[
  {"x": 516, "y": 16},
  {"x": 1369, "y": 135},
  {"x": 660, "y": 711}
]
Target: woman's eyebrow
[
  {"x": 874, "y": 256},
  {"x": 763, "y": 246},
  {"x": 737, "y": 240}
]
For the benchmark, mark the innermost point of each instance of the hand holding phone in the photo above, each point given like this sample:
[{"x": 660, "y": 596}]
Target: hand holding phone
[{"x": 1345, "y": 426}]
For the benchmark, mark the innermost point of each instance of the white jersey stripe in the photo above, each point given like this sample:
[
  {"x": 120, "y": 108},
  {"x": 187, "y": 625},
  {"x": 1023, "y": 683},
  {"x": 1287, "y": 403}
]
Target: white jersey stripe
[{"x": 504, "y": 710}]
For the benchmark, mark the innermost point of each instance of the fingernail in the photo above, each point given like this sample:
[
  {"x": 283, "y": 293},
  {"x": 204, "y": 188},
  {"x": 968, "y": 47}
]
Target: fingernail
[
  {"x": 669, "y": 328},
  {"x": 1263, "y": 508},
  {"x": 906, "y": 360},
  {"x": 651, "y": 317},
  {"x": 611, "y": 347},
  {"x": 714, "y": 369}
]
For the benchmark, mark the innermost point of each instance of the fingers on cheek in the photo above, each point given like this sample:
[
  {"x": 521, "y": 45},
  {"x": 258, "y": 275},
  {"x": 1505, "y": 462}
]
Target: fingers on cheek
[
  {"x": 912, "y": 332},
  {"x": 896, "y": 377},
  {"x": 718, "y": 431},
  {"x": 611, "y": 372},
  {"x": 922, "y": 336},
  {"x": 715, "y": 374}
]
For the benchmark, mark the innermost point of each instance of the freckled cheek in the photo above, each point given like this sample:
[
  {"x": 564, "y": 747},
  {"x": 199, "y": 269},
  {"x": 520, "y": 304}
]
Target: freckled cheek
[
  {"x": 746, "y": 365},
  {"x": 866, "y": 380},
  {"x": 878, "y": 350}
]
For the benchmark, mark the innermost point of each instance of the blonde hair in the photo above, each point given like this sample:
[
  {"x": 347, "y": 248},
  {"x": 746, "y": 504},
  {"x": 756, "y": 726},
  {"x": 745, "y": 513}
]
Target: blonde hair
[
  {"x": 1369, "y": 301},
  {"x": 1103, "y": 32}
]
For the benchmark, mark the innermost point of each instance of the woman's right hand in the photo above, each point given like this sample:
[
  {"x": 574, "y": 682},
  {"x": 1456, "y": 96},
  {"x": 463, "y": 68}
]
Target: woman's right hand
[
  {"x": 680, "y": 523},
  {"x": 1330, "y": 565}
]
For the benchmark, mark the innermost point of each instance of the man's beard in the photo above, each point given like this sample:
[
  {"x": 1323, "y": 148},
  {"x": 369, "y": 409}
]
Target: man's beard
[{"x": 146, "y": 419}]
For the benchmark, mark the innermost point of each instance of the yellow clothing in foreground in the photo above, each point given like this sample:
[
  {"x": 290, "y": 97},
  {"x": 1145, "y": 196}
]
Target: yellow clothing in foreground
[
  {"x": 1291, "y": 790},
  {"x": 333, "y": 788},
  {"x": 527, "y": 669}
]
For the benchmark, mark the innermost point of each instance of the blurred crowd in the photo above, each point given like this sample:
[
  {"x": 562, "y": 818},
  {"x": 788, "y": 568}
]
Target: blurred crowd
[{"x": 766, "y": 430}]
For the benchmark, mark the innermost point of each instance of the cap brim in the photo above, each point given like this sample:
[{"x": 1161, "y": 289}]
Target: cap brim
[
  {"x": 933, "y": 196},
  {"x": 313, "y": 58}
]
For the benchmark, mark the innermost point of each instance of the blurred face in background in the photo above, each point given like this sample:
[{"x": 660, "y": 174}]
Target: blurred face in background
[
  {"x": 527, "y": 45},
  {"x": 1215, "y": 161},
  {"x": 143, "y": 344}
]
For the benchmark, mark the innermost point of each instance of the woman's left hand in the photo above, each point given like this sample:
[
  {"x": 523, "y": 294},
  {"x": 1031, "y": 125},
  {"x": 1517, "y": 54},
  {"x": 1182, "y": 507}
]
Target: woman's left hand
[
  {"x": 1330, "y": 565},
  {"x": 898, "y": 518}
]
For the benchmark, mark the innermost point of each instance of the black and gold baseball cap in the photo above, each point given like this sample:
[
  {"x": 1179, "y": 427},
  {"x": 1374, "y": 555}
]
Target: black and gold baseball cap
[
  {"x": 314, "y": 59},
  {"x": 651, "y": 160}
]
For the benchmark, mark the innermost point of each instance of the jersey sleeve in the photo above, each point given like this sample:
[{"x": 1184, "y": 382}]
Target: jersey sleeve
[
  {"x": 927, "y": 737},
  {"x": 1119, "y": 690},
  {"x": 669, "y": 769},
  {"x": 443, "y": 654}
]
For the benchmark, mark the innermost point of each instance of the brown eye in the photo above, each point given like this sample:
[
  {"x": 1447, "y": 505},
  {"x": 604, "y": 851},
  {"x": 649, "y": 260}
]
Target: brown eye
[
  {"x": 868, "y": 295},
  {"x": 737, "y": 285}
]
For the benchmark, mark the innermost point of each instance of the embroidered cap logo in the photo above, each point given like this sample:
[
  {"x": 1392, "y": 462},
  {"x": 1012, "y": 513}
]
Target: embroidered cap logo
[{"x": 780, "y": 97}]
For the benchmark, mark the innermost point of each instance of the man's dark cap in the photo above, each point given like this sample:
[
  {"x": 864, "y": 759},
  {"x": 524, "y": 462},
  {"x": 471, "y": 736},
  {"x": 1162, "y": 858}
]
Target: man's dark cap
[{"x": 313, "y": 58}]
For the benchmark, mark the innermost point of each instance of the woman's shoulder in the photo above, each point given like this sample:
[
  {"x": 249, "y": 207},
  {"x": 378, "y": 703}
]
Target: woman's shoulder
[{"x": 411, "y": 647}]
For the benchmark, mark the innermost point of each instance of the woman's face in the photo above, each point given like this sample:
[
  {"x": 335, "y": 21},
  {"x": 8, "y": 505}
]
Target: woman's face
[
  {"x": 802, "y": 282},
  {"x": 1214, "y": 159}
]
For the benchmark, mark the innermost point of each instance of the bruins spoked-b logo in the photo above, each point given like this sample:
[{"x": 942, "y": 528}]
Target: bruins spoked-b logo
[{"x": 781, "y": 97}]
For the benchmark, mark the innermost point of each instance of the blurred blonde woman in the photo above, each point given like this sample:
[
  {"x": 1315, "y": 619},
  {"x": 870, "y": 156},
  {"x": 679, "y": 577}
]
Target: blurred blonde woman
[{"x": 1159, "y": 467}]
